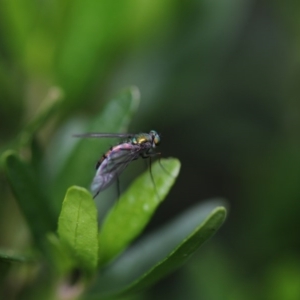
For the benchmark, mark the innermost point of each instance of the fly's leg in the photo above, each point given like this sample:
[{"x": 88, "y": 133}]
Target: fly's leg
[
  {"x": 150, "y": 155},
  {"x": 165, "y": 170},
  {"x": 118, "y": 187},
  {"x": 152, "y": 178},
  {"x": 96, "y": 195}
]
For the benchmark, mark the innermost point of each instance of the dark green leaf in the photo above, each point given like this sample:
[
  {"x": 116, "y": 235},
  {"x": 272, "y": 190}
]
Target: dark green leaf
[
  {"x": 7, "y": 258},
  {"x": 32, "y": 200},
  {"x": 78, "y": 227},
  {"x": 132, "y": 212},
  {"x": 49, "y": 107},
  {"x": 97, "y": 31},
  {"x": 61, "y": 261},
  {"x": 12, "y": 257},
  {"x": 183, "y": 251},
  {"x": 162, "y": 252}
]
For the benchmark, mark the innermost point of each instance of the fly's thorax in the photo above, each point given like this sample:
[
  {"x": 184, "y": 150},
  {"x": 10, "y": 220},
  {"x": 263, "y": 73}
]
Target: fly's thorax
[
  {"x": 140, "y": 139},
  {"x": 152, "y": 138}
]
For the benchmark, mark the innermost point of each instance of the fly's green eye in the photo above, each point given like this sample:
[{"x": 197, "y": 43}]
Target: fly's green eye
[
  {"x": 156, "y": 137},
  {"x": 157, "y": 140}
]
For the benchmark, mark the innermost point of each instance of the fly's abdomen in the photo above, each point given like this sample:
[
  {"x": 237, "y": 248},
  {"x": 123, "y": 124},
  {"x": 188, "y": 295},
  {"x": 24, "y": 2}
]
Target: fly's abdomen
[
  {"x": 102, "y": 181},
  {"x": 112, "y": 165}
]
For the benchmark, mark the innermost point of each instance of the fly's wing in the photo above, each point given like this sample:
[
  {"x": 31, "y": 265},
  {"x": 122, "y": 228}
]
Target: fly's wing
[
  {"x": 103, "y": 135},
  {"x": 113, "y": 165}
]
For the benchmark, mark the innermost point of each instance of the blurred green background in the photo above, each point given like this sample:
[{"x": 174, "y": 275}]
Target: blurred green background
[{"x": 218, "y": 79}]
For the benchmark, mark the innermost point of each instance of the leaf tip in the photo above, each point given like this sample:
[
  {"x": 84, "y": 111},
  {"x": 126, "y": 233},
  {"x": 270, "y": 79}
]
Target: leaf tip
[
  {"x": 135, "y": 96},
  {"x": 173, "y": 165},
  {"x": 6, "y": 157},
  {"x": 221, "y": 213},
  {"x": 77, "y": 190}
]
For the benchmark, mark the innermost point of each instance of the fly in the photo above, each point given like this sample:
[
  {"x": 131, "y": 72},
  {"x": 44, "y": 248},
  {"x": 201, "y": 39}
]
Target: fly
[{"x": 117, "y": 158}]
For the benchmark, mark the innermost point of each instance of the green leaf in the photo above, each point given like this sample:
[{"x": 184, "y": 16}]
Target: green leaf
[
  {"x": 32, "y": 200},
  {"x": 132, "y": 212},
  {"x": 12, "y": 257},
  {"x": 60, "y": 260},
  {"x": 4, "y": 269},
  {"x": 97, "y": 31},
  {"x": 7, "y": 258},
  {"x": 183, "y": 251},
  {"x": 49, "y": 107},
  {"x": 79, "y": 168},
  {"x": 162, "y": 252},
  {"x": 19, "y": 19},
  {"x": 78, "y": 227}
]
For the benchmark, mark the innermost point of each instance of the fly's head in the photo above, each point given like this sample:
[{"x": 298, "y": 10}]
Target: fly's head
[{"x": 155, "y": 138}]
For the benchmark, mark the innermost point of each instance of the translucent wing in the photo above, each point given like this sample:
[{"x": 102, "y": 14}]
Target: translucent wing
[
  {"x": 104, "y": 135},
  {"x": 113, "y": 165}
]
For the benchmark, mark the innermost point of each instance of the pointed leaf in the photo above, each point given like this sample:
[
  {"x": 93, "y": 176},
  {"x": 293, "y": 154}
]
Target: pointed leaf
[
  {"x": 78, "y": 227},
  {"x": 152, "y": 258},
  {"x": 180, "y": 255},
  {"x": 132, "y": 212}
]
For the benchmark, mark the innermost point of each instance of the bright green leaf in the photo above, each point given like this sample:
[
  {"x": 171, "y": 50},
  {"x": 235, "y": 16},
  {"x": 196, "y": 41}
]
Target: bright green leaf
[
  {"x": 31, "y": 198},
  {"x": 132, "y": 212},
  {"x": 78, "y": 227},
  {"x": 162, "y": 252}
]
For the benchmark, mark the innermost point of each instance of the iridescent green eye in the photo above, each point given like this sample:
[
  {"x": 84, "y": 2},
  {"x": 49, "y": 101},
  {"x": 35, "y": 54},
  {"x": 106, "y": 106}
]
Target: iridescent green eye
[{"x": 156, "y": 137}]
